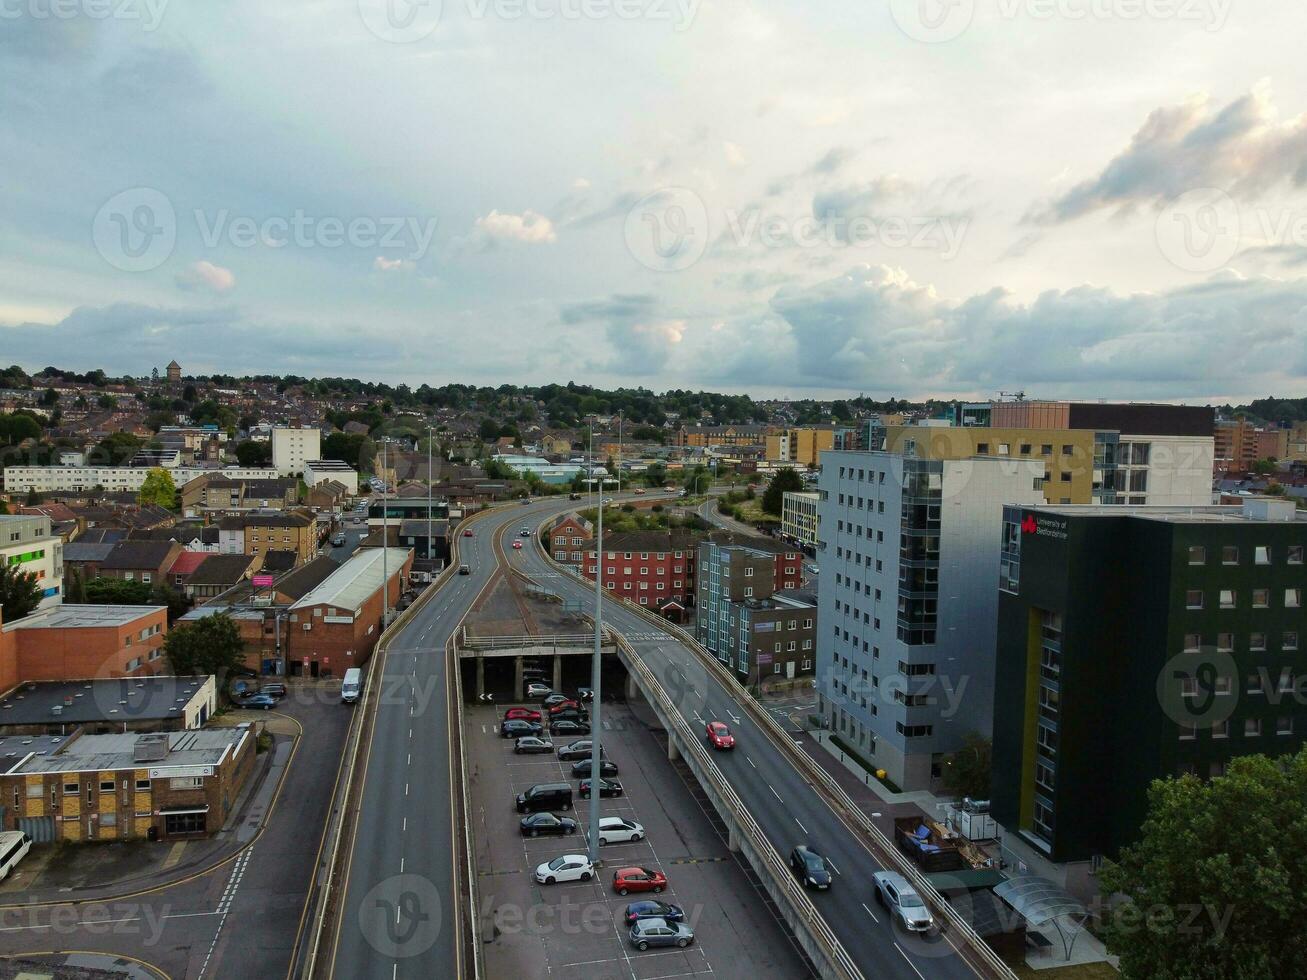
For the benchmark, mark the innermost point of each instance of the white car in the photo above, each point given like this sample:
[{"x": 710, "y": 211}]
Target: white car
[
  {"x": 894, "y": 892},
  {"x": 617, "y": 830},
  {"x": 569, "y": 867}
]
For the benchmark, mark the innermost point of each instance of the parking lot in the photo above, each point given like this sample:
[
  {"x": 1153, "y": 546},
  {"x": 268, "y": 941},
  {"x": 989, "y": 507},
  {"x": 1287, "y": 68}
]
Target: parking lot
[{"x": 577, "y": 929}]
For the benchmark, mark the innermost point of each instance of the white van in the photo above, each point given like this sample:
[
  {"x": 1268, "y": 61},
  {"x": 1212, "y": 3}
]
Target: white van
[
  {"x": 14, "y": 845},
  {"x": 349, "y": 690}
]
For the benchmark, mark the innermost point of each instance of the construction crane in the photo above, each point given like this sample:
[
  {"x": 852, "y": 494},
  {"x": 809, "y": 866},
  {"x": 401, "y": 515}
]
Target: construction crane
[{"x": 1015, "y": 395}]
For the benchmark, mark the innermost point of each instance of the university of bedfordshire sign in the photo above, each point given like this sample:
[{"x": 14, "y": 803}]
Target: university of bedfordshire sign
[{"x": 1044, "y": 526}]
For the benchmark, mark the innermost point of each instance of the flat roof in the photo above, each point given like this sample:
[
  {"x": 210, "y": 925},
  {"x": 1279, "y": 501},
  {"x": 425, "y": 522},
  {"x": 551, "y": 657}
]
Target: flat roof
[
  {"x": 1168, "y": 513},
  {"x": 355, "y": 580},
  {"x": 84, "y": 617},
  {"x": 117, "y": 699},
  {"x": 100, "y": 753}
]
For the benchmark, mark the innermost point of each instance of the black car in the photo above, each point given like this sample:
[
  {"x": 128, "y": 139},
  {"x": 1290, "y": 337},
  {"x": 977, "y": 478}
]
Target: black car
[
  {"x": 569, "y": 727},
  {"x": 581, "y": 769},
  {"x": 518, "y": 727},
  {"x": 546, "y": 824},
  {"x": 810, "y": 867},
  {"x": 607, "y": 788},
  {"x": 653, "y": 909},
  {"x": 571, "y": 714}
]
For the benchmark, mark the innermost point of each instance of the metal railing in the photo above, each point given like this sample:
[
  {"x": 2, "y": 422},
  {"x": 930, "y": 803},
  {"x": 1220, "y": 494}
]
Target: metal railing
[{"x": 471, "y": 642}]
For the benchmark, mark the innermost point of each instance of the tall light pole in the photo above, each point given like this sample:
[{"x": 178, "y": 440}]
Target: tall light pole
[
  {"x": 619, "y": 451},
  {"x": 430, "y": 558},
  {"x": 385, "y": 535},
  {"x": 596, "y": 750}
]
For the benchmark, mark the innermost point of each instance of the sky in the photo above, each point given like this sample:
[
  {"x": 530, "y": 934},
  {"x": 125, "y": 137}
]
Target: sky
[{"x": 1072, "y": 198}]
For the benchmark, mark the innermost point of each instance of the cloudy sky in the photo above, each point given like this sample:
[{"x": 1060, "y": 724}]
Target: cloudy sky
[{"x": 1082, "y": 198}]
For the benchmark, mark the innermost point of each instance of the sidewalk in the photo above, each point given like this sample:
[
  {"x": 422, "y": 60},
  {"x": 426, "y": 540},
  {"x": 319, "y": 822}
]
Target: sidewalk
[{"x": 109, "y": 870}]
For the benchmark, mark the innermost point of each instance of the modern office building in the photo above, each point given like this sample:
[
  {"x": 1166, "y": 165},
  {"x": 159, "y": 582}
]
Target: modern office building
[
  {"x": 908, "y": 602},
  {"x": 293, "y": 448},
  {"x": 799, "y": 517},
  {"x": 27, "y": 545},
  {"x": 1135, "y": 644}
]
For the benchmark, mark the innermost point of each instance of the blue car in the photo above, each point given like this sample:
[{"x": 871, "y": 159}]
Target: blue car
[
  {"x": 653, "y": 910},
  {"x": 264, "y": 701}
]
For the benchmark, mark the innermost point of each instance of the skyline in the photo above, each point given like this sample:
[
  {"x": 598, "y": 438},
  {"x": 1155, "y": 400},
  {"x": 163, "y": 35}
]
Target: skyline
[{"x": 480, "y": 197}]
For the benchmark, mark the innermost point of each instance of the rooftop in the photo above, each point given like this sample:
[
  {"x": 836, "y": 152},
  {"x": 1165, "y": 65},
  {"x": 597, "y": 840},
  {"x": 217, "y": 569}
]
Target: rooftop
[
  {"x": 123, "y": 699},
  {"x": 103, "y": 753},
  {"x": 356, "y": 580},
  {"x": 325, "y": 465},
  {"x": 1253, "y": 510},
  {"x": 83, "y": 617}
]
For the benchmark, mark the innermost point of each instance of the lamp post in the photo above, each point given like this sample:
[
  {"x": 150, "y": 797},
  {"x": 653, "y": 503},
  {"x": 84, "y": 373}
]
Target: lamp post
[
  {"x": 596, "y": 750},
  {"x": 385, "y": 536},
  {"x": 430, "y": 558}
]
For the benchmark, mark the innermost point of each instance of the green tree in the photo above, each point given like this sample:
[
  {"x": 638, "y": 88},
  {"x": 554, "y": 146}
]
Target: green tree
[
  {"x": 49, "y": 398},
  {"x": 656, "y": 475},
  {"x": 967, "y": 771},
  {"x": 784, "y": 481},
  {"x": 211, "y": 645},
  {"x": 1216, "y": 886},
  {"x": 17, "y": 427},
  {"x": 117, "y": 592},
  {"x": 697, "y": 480},
  {"x": 20, "y": 592},
  {"x": 106, "y": 401},
  {"x": 254, "y": 453},
  {"x": 158, "y": 488},
  {"x": 1264, "y": 467},
  {"x": 115, "y": 449}
]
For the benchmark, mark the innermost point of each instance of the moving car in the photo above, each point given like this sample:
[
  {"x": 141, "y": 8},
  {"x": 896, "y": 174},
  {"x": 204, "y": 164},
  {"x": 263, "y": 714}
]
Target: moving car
[
  {"x": 546, "y": 824},
  {"x": 521, "y": 714},
  {"x": 545, "y": 796},
  {"x": 467, "y": 532},
  {"x": 518, "y": 728},
  {"x": 719, "y": 736},
  {"x": 652, "y": 908},
  {"x": 660, "y": 932},
  {"x": 637, "y": 879},
  {"x": 894, "y": 892},
  {"x": 577, "y": 750},
  {"x": 517, "y": 545},
  {"x": 582, "y": 769},
  {"x": 525, "y": 532},
  {"x": 619, "y": 830},
  {"x": 810, "y": 867},
  {"x": 536, "y": 690},
  {"x": 607, "y": 788},
  {"x": 639, "y": 491},
  {"x": 585, "y": 694},
  {"x": 351, "y": 686},
  {"x": 464, "y": 570},
  {"x": 532, "y": 745},
  {"x": 569, "y": 867},
  {"x": 338, "y": 539},
  {"x": 568, "y": 726}
]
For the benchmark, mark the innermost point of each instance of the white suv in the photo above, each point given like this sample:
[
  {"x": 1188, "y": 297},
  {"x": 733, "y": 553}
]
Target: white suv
[
  {"x": 894, "y": 892},
  {"x": 615, "y": 830}
]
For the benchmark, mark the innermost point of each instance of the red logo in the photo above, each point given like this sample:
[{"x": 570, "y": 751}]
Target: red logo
[{"x": 1028, "y": 525}]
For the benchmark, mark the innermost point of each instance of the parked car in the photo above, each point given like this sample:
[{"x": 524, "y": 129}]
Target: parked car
[
  {"x": 619, "y": 830},
  {"x": 274, "y": 690},
  {"x": 810, "y": 867},
  {"x": 532, "y": 745},
  {"x": 521, "y": 714},
  {"x": 902, "y": 900},
  {"x": 518, "y": 728},
  {"x": 660, "y": 932},
  {"x": 535, "y": 690},
  {"x": 545, "y": 796},
  {"x": 607, "y": 788},
  {"x": 546, "y": 824},
  {"x": 568, "y": 726},
  {"x": 581, "y": 769},
  {"x": 554, "y": 699},
  {"x": 719, "y": 736},
  {"x": 338, "y": 539},
  {"x": 652, "y": 908},
  {"x": 569, "y": 867},
  {"x": 261, "y": 701},
  {"x": 626, "y": 880},
  {"x": 567, "y": 704},
  {"x": 577, "y": 750}
]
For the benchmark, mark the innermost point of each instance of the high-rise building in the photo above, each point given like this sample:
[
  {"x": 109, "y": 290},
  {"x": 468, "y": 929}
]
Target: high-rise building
[
  {"x": 908, "y": 601},
  {"x": 1136, "y": 644},
  {"x": 27, "y": 545},
  {"x": 292, "y": 448}
]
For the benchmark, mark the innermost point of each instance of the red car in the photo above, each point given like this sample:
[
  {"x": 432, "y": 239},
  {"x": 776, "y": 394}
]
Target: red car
[
  {"x": 521, "y": 714},
  {"x": 638, "y": 880},
  {"x": 517, "y": 545},
  {"x": 564, "y": 706},
  {"x": 719, "y": 736},
  {"x": 467, "y": 532}
]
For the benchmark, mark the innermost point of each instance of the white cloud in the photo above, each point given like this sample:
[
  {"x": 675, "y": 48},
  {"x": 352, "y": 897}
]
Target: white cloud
[
  {"x": 527, "y": 228},
  {"x": 205, "y": 275},
  {"x": 734, "y": 155},
  {"x": 383, "y": 264}
]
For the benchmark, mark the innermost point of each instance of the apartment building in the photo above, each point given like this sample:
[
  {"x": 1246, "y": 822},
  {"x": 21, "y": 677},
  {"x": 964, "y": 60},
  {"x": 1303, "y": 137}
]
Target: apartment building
[
  {"x": 702, "y": 436},
  {"x": 322, "y": 470},
  {"x": 568, "y": 536},
  {"x": 292, "y": 448},
  {"x": 256, "y": 534},
  {"x": 113, "y": 479},
  {"x": 27, "y": 544},
  {"x": 799, "y": 517},
  {"x": 908, "y": 602},
  {"x": 1112, "y": 673},
  {"x": 651, "y": 568},
  {"x": 802, "y": 446},
  {"x": 1240, "y": 445}
]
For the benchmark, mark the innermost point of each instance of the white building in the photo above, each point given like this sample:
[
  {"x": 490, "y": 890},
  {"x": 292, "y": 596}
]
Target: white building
[
  {"x": 292, "y": 448},
  {"x": 908, "y": 599},
  {"x": 799, "y": 517},
  {"x": 27, "y": 545},
  {"x": 71, "y": 479},
  {"x": 321, "y": 470}
]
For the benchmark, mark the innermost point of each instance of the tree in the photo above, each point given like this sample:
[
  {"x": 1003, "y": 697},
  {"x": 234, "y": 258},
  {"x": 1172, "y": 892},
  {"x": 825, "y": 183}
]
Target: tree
[
  {"x": 158, "y": 488},
  {"x": 967, "y": 771},
  {"x": 1264, "y": 467},
  {"x": 1216, "y": 886},
  {"x": 115, "y": 449},
  {"x": 49, "y": 398},
  {"x": 211, "y": 645},
  {"x": 656, "y": 475},
  {"x": 117, "y": 592},
  {"x": 17, "y": 427},
  {"x": 106, "y": 401},
  {"x": 20, "y": 592},
  {"x": 488, "y": 430},
  {"x": 254, "y": 453},
  {"x": 783, "y": 482},
  {"x": 697, "y": 479},
  {"x": 189, "y": 394}
]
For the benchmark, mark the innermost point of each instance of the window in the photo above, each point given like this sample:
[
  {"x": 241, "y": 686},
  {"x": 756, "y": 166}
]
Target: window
[
  {"x": 1292, "y": 598},
  {"x": 1290, "y": 641},
  {"x": 178, "y": 824},
  {"x": 106, "y": 786},
  {"x": 1257, "y": 641},
  {"x": 1221, "y": 729},
  {"x": 1225, "y": 642},
  {"x": 1261, "y": 598},
  {"x": 1252, "y": 727},
  {"x": 1295, "y": 554},
  {"x": 1197, "y": 555},
  {"x": 982, "y": 449},
  {"x": 142, "y": 785},
  {"x": 1228, "y": 598},
  {"x": 1188, "y": 733},
  {"x": 1229, "y": 555},
  {"x": 1261, "y": 555},
  {"x": 1064, "y": 476},
  {"x": 1284, "y": 725},
  {"x": 1193, "y": 599},
  {"x": 186, "y": 782},
  {"x": 1193, "y": 642},
  {"x": 1046, "y": 449}
]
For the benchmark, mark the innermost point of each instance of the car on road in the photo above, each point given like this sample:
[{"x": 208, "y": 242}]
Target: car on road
[
  {"x": 652, "y": 908},
  {"x": 568, "y": 726},
  {"x": 567, "y": 704},
  {"x": 464, "y": 570},
  {"x": 547, "y": 825},
  {"x": 569, "y": 867},
  {"x": 577, "y": 750},
  {"x": 619, "y": 830},
  {"x": 521, "y": 714},
  {"x": 260, "y": 700},
  {"x": 626, "y": 880},
  {"x": 517, "y": 545},
  {"x": 526, "y": 501},
  {"x": 810, "y": 867},
  {"x": 525, "y": 532},
  {"x": 467, "y": 532},
  {"x": 902, "y": 900},
  {"x": 535, "y": 690},
  {"x": 357, "y": 520},
  {"x": 639, "y": 491},
  {"x": 517, "y": 728},
  {"x": 582, "y": 769},
  {"x": 660, "y": 932},
  {"x": 532, "y": 745},
  {"x": 719, "y": 736},
  {"x": 607, "y": 788},
  {"x": 277, "y": 691},
  {"x": 338, "y": 539}
]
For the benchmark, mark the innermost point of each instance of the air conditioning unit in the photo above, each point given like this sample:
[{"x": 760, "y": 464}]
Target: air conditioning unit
[{"x": 307, "y": 627}]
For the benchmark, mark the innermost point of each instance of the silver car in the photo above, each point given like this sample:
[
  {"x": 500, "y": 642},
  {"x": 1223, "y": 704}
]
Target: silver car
[
  {"x": 660, "y": 932},
  {"x": 894, "y": 892}
]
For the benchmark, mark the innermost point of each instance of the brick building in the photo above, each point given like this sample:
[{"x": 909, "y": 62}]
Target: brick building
[
  {"x": 650, "y": 568},
  {"x": 141, "y": 561},
  {"x": 75, "y": 642},
  {"x": 568, "y": 536},
  {"x": 257, "y": 534}
]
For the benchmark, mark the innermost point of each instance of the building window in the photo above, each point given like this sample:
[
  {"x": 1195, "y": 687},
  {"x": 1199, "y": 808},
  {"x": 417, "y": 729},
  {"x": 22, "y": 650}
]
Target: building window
[
  {"x": 1290, "y": 641},
  {"x": 1292, "y": 598},
  {"x": 1221, "y": 729},
  {"x": 1261, "y": 598},
  {"x": 1257, "y": 641},
  {"x": 1284, "y": 725},
  {"x": 179, "y": 824},
  {"x": 1228, "y": 598},
  {"x": 1252, "y": 727},
  {"x": 1193, "y": 599},
  {"x": 142, "y": 785},
  {"x": 1261, "y": 555},
  {"x": 1193, "y": 642},
  {"x": 1295, "y": 554},
  {"x": 1230, "y": 555}
]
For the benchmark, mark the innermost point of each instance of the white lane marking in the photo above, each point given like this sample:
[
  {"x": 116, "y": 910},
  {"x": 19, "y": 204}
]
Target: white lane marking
[
  {"x": 749, "y": 761},
  {"x": 774, "y": 793},
  {"x": 405, "y": 827},
  {"x": 908, "y": 961},
  {"x": 832, "y": 866},
  {"x": 870, "y": 913},
  {"x": 800, "y": 823}
]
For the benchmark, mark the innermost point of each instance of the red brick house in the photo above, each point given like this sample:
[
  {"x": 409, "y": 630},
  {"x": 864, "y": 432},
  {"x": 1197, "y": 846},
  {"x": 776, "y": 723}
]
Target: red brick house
[
  {"x": 650, "y": 568},
  {"x": 568, "y": 537}
]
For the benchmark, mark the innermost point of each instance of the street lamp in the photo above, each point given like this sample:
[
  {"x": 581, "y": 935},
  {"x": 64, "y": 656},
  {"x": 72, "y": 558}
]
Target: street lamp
[{"x": 596, "y": 750}]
